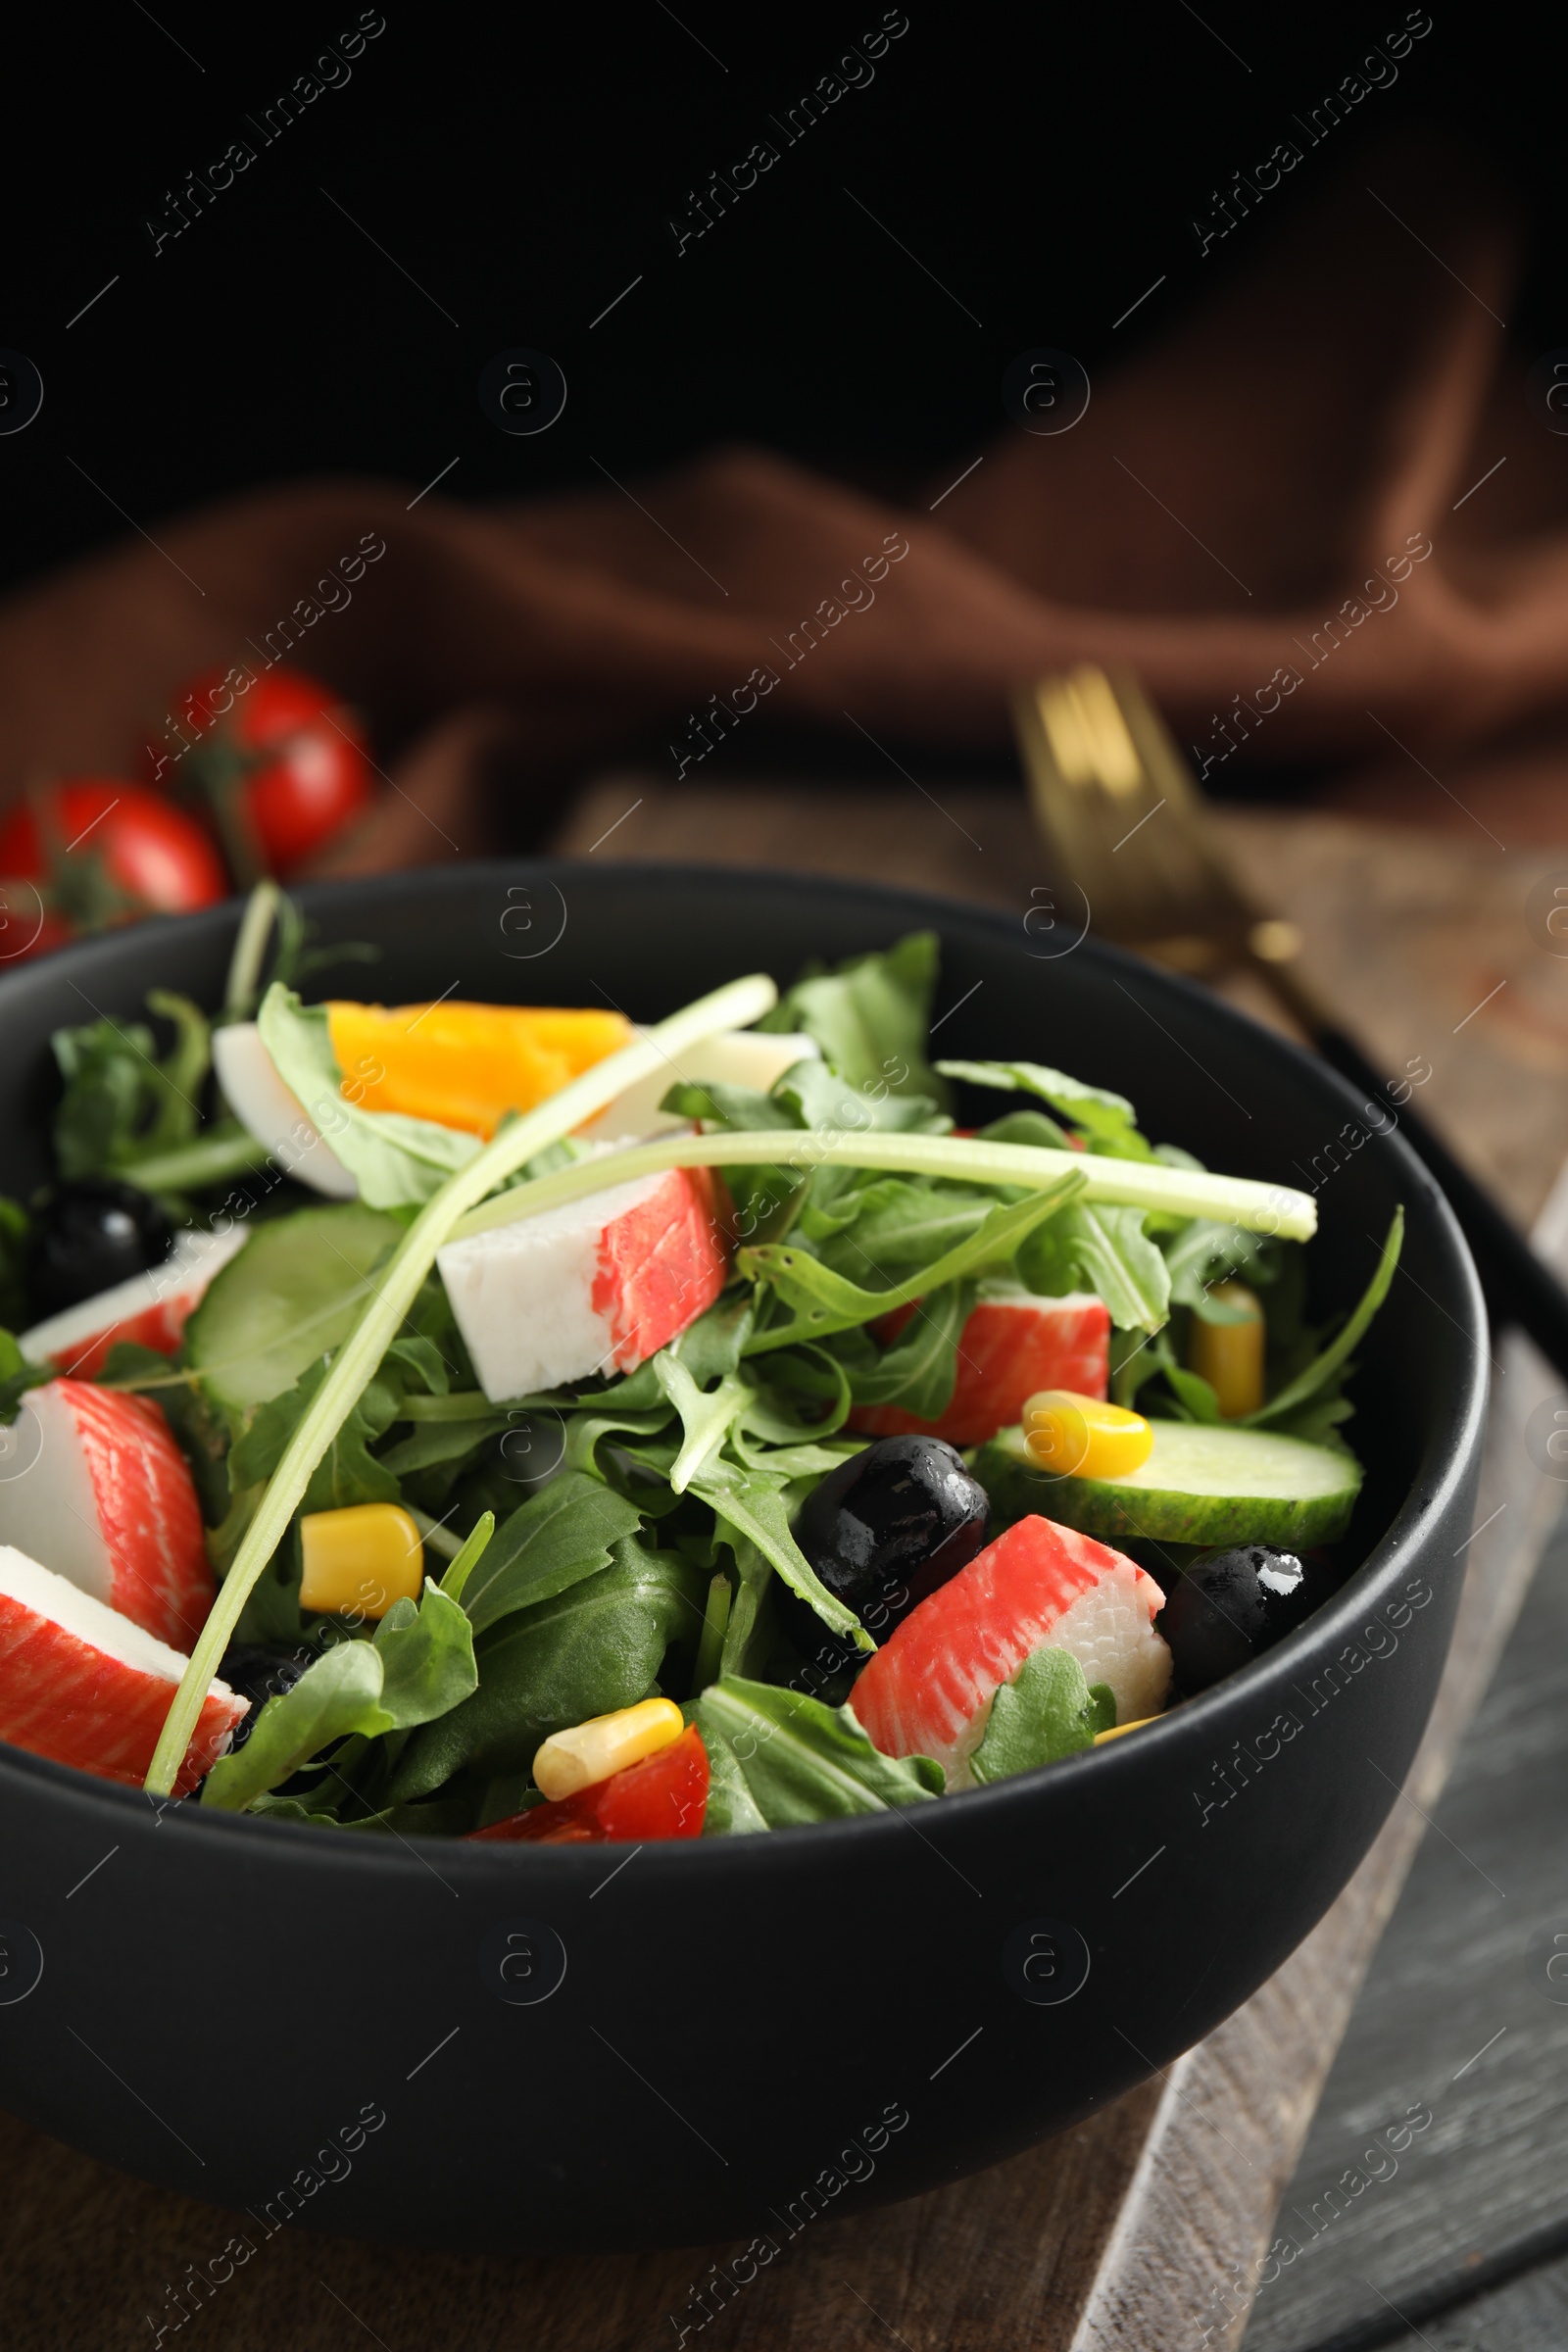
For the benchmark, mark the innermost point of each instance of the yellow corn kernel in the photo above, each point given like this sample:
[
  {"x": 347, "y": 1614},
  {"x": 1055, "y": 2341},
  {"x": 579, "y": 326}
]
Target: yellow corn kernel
[
  {"x": 591, "y": 1751},
  {"x": 1230, "y": 1355},
  {"x": 1084, "y": 1436},
  {"x": 465, "y": 1066},
  {"x": 1116, "y": 1730},
  {"x": 359, "y": 1560}
]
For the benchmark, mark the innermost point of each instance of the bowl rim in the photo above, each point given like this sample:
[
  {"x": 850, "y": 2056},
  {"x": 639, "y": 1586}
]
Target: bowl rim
[{"x": 1441, "y": 1473}]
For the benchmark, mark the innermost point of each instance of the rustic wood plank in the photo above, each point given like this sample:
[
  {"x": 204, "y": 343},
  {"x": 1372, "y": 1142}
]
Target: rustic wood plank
[
  {"x": 1529, "y": 2314},
  {"x": 1184, "y": 2265},
  {"x": 1458, "y": 1973},
  {"x": 1452, "y": 2018}
]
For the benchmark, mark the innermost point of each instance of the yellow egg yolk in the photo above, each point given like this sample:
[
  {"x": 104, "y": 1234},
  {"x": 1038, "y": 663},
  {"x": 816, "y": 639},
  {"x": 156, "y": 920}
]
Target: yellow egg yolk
[{"x": 465, "y": 1066}]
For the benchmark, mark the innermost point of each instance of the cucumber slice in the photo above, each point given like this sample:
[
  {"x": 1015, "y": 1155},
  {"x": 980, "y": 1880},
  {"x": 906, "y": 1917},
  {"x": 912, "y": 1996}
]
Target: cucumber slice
[
  {"x": 1202, "y": 1484},
  {"x": 294, "y": 1291}
]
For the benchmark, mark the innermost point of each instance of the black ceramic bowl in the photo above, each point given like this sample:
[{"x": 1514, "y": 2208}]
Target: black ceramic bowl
[{"x": 572, "y": 2048}]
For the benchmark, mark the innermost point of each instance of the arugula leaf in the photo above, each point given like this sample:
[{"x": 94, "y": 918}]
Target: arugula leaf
[
  {"x": 1203, "y": 1254},
  {"x": 1046, "y": 1710},
  {"x": 1195, "y": 1400},
  {"x": 417, "y": 1668},
  {"x": 398, "y": 1162},
  {"x": 585, "y": 1430},
  {"x": 732, "y": 1810},
  {"x": 825, "y": 1302},
  {"x": 1095, "y": 1247},
  {"x": 1108, "y": 1123},
  {"x": 122, "y": 1102},
  {"x": 714, "y": 1344},
  {"x": 15, "y": 1242},
  {"x": 738, "y": 1106},
  {"x": 707, "y": 1415},
  {"x": 772, "y": 1415},
  {"x": 435, "y": 1455},
  {"x": 105, "y": 1066},
  {"x": 715, "y": 1625},
  {"x": 17, "y": 1377},
  {"x": 779, "y": 1757},
  {"x": 871, "y": 1015},
  {"x": 347, "y": 1472},
  {"x": 743, "y": 1611},
  {"x": 468, "y": 1557},
  {"x": 1026, "y": 1127},
  {"x": 555, "y": 1540},
  {"x": 823, "y": 1100},
  {"x": 920, "y": 1369},
  {"x": 1331, "y": 1366},
  {"x": 586, "y": 1651},
  {"x": 432, "y": 1444},
  {"x": 895, "y": 1223},
  {"x": 750, "y": 1504}
]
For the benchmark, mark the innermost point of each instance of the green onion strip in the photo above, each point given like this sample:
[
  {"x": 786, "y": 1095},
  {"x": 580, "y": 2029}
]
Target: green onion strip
[{"x": 1129, "y": 1183}]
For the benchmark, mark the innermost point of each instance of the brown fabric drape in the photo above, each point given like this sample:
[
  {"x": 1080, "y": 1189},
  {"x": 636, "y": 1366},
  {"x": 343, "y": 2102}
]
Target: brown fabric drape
[{"x": 1271, "y": 513}]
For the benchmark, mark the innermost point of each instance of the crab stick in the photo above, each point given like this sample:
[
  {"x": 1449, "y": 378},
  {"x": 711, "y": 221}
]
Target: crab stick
[
  {"x": 150, "y": 1308},
  {"x": 80, "y": 1684},
  {"x": 1014, "y": 1344},
  {"x": 927, "y": 1692},
  {"x": 588, "y": 1289},
  {"x": 98, "y": 1490}
]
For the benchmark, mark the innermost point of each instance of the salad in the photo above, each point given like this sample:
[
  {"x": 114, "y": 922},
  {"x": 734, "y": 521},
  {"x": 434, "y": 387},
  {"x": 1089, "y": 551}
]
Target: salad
[{"x": 509, "y": 1423}]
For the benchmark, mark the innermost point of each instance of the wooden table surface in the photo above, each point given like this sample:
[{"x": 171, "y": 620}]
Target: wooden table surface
[{"x": 1131, "y": 2230}]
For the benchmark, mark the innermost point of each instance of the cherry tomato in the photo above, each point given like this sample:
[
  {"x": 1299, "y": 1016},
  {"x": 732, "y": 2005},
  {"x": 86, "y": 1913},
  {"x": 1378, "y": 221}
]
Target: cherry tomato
[
  {"x": 283, "y": 766},
  {"x": 666, "y": 1797},
  {"x": 100, "y": 851}
]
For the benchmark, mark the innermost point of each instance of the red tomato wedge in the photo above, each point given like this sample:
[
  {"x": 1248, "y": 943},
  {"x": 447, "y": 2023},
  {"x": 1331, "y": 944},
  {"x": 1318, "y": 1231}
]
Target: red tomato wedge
[
  {"x": 927, "y": 1692},
  {"x": 1009, "y": 1350},
  {"x": 666, "y": 1796}
]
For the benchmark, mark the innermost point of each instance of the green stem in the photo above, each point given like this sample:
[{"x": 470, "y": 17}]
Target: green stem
[
  {"x": 190, "y": 1168},
  {"x": 1130, "y": 1183},
  {"x": 250, "y": 945},
  {"x": 354, "y": 1366},
  {"x": 710, "y": 1645},
  {"x": 468, "y": 1557},
  {"x": 1322, "y": 1369},
  {"x": 437, "y": 1538},
  {"x": 464, "y": 1404}
]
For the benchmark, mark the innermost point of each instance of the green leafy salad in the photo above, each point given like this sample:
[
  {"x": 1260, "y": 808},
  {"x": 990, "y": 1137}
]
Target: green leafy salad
[{"x": 534, "y": 1429}]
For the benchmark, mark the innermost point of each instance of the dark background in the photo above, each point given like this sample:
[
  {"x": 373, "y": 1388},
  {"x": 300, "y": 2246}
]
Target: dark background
[{"x": 521, "y": 165}]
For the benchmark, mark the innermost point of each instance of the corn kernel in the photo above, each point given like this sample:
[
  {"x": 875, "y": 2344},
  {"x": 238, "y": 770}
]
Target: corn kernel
[
  {"x": 1230, "y": 1355},
  {"x": 1116, "y": 1730},
  {"x": 359, "y": 1560},
  {"x": 1084, "y": 1436},
  {"x": 591, "y": 1751}
]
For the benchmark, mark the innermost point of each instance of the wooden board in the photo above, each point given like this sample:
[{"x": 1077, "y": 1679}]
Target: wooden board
[
  {"x": 1454, "y": 2019},
  {"x": 1128, "y": 2233}
]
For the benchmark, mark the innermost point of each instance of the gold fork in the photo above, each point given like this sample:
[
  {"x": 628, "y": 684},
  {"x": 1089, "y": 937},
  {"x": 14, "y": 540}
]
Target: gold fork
[
  {"x": 1129, "y": 825},
  {"x": 1118, "y": 805}
]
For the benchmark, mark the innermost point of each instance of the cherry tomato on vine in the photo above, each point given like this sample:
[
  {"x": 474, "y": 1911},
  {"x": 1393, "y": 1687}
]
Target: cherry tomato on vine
[
  {"x": 282, "y": 767},
  {"x": 98, "y": 852}
]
